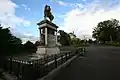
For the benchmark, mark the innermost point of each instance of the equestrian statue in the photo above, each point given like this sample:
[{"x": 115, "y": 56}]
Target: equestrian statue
[{"x": 47, "y": 13}]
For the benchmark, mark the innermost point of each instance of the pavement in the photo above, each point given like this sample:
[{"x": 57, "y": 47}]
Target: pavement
[{"x": 99, "y": 63}]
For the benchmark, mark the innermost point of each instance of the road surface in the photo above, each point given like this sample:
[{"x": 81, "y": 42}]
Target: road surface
[{"x": 99, "y": 63}]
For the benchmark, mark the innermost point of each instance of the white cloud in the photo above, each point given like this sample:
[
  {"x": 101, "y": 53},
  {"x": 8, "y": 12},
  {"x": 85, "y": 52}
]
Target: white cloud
[
  {"x": 32, "y": 39},
  {"x": 75, "y": 5},
  {"x": 9, "y": 19},
  {"x": 84, "y": 0},
  {"x": 62, "y": 3},
  {"x": 7, "y": 15},
  {"x": 28, "y": 34},
  {"x": 29, "y": 9},
  {"x": 25, "y": 7},
  {"x": 82, "y": 21},
  {"x": 24, "y": 36}
]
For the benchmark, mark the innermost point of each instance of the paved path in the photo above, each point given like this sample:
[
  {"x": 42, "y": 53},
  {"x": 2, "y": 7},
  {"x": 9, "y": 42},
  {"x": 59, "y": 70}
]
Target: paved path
[{"x": 99, "y": 63}]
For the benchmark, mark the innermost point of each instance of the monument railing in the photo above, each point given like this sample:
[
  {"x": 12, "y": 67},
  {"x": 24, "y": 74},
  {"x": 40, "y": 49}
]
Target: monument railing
[{"x": 31, "y": 70}]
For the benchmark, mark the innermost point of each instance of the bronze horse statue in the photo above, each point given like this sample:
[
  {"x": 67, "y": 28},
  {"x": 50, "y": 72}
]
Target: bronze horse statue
[{"x": 47, "y": 13}]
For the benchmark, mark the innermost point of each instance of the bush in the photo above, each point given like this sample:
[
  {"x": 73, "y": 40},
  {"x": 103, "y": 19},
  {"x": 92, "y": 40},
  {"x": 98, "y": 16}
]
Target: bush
[
  {"x": 113, "y": 44},
  {"x": 9, "y": 44},
  {"x": 116, "y": 44},
  {"x": 84, "y": 45},
  {"x": 30, "y": 47}
]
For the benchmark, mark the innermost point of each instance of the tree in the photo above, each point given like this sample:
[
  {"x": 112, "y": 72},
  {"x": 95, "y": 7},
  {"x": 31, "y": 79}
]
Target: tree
[
  {"x": 9, "y": 44},
  {"x": 90, "y": 41},
  {"x": 30, "y": 47},
  {"x": 37, "y": 43},
  {"x": 106, "y": 31},
  {"x": 64, "y": 38},
  {"x": 72, "y": 35},
  {"x": 118, "y": 33},
  {"x": 74, "y": 40}
]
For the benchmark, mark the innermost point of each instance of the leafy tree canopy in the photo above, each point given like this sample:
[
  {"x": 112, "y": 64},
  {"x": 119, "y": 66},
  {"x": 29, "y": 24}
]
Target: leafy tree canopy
[
  {"x": 107, "y": 31},
  {"x": 64, "y": 38},
  {"x": 9, "y": 44}
]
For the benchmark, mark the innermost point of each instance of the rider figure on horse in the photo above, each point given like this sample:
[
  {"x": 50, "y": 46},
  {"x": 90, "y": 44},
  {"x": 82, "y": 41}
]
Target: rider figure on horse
[{"x": 47, "y": 13}]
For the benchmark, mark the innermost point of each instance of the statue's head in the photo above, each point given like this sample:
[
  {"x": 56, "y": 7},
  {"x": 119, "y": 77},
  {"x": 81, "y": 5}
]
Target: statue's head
[{"x": 47, "y": 7}]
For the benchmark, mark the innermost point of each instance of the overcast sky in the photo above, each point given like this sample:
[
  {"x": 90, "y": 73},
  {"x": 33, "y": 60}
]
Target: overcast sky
[{"x": 80, "y": 16}]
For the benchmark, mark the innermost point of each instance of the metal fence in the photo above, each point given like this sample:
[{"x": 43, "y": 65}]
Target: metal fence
[{"x": 31, "y": 70}]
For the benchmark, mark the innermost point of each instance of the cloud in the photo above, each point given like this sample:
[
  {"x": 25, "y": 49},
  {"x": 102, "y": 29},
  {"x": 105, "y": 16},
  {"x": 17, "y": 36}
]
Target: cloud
[
  {"x": 82, "y": 21},
  {"x": 25, "y": 36},
  {"x": 75, "y": 5},
  {"x": 25, "y": 7},
  {"x": 62, "y": 3},
  {"x": 28, "y": 34},
  {"x": 30, "y": 38},
  {"x": 84, "y": 0},
  {"x": 9, "y": 19},
  {"x": 7, "y": 15}
]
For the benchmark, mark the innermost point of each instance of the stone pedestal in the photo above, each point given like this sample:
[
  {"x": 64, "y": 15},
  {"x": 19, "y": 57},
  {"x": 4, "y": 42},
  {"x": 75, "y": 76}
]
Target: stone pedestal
[
  {"x": 48, "y": 35},
  {"x": 47, "y": 50}
]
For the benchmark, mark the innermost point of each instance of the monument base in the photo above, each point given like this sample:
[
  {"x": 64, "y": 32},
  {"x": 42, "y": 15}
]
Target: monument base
[{"x": 47, "y": 50}]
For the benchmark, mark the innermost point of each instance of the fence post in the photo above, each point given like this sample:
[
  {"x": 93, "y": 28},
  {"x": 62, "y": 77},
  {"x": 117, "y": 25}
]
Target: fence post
[
  {"x": 61, "y": 58},
  {"x": 80, "y": 50},
  {"x": 30, "y": 70},
  {"x": 22, "y": 71},
  {"x": 55, "y": 57},
  {"x": 69, "y": 55},
  {"x": 66, "y": 56},
  {"x": 10, "y": 64},
  {"x": 83, "y": 51},
  {"x": 4, "y": 64},
  {"x": 18, "y": 69}
]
